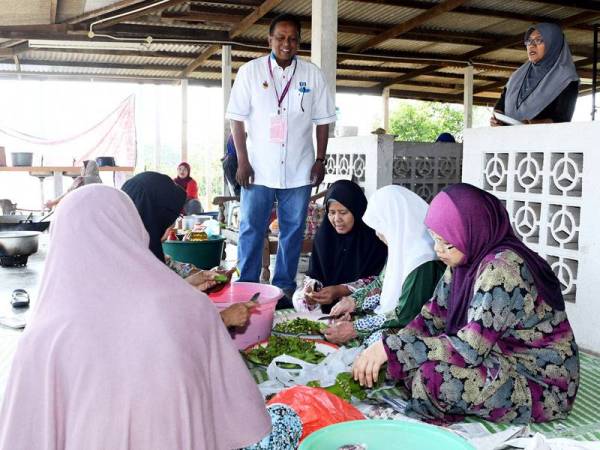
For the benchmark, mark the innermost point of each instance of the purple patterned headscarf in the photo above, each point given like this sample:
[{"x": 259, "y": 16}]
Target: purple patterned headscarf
[{"x": 477, "y": 224}]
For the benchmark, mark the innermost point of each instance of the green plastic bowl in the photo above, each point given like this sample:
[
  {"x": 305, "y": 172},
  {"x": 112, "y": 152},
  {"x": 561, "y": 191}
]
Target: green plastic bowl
[
  {"x": 384, "y": 435},
  {"x": 202, "y": 254}
]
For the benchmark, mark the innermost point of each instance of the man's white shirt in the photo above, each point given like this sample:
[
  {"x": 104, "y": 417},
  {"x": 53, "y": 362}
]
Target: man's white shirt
[{"x": 253, "y": 100}]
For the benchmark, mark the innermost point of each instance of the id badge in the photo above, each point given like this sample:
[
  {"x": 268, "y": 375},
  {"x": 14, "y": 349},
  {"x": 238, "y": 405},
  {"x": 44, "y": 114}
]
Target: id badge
[{"x": 278, "y": 130}]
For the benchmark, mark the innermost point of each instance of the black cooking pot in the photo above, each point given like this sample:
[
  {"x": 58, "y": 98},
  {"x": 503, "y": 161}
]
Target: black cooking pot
[{"x": 105, "y": 161}]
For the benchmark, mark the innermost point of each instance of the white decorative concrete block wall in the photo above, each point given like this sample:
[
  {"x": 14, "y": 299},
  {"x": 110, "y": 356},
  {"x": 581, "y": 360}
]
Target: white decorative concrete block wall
[
  {"x": 426, "y": 168},
  {"x": 367, "y": 158},
  {"x": 546, "y": 175}
]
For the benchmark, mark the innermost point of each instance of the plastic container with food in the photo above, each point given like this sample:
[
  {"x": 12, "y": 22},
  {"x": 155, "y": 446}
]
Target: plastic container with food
[
  {"x": 261, "y": 318},
  {"x": 204, "y": 254}
]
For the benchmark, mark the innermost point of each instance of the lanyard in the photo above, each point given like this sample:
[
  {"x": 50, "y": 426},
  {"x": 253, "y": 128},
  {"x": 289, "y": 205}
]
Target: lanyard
[{"x": 287, "y": 86}]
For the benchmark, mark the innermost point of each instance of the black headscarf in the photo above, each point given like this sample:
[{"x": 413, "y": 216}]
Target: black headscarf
[
  {"x": 158, "y": 200},
  {"x": 343, "y": 258}
]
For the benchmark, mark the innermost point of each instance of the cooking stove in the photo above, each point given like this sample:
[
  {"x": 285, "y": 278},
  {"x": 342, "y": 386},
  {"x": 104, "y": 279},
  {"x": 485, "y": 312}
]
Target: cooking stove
[{"x": 13, "y": 261}]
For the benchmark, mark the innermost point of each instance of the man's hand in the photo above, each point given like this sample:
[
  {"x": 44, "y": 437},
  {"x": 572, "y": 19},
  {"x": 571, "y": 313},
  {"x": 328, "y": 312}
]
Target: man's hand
[
  {"x": 317, "y": 173},
  {"x": 245, "y": 173}
]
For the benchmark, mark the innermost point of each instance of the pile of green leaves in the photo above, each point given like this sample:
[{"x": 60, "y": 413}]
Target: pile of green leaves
[
  {"x": 346, "y": 387},
  {"x": 284, "y": 345},
  {"x": 300, "y": 326}
]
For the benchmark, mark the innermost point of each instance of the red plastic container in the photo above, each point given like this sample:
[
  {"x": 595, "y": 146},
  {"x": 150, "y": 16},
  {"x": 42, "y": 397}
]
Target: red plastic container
[{"x": 261, "y": 319}]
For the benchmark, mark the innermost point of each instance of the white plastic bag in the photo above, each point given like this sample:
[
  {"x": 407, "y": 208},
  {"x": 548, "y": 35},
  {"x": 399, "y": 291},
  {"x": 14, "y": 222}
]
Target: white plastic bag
[{"x": 325, "y": 372}]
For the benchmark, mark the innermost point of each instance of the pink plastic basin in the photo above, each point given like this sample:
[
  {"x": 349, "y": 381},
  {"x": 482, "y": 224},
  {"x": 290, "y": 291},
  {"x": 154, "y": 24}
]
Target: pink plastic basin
[{"x": 261, "y": 319}]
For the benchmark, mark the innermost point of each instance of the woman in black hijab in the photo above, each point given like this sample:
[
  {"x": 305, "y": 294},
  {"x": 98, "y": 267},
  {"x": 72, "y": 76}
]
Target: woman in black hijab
[
  {"x": 158, "y": 201},
  {"x": 345, "y": 250}
]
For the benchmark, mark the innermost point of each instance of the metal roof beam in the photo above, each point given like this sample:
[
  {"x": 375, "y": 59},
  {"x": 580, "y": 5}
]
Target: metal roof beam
[
  {"x": 238, "y": 29},
  {"x": 135, "y": 14},
  {"x": 579, "y": 4},
  {"x": 469, "y": 10},
  {"x": 437, "y": 10}
]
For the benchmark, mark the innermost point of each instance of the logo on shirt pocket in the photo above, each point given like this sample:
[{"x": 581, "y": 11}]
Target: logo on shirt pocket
[{"x": 303, "y": 88}]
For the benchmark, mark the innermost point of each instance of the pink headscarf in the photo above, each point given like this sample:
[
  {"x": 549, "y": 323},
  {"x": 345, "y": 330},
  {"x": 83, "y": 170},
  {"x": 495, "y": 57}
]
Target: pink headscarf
[{"x": 121, "y": 353}]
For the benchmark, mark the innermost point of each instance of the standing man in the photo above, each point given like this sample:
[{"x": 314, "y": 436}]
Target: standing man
[{"x": 276, "y": 99}]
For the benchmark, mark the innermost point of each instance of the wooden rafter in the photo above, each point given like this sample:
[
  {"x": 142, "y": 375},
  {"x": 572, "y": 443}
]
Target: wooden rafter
[
  {"x": 579, "y": 4},
  {"x": 440, "y": 8},
  {"x": 53, "y": 8},
  {"x": 238, "y": 29}
]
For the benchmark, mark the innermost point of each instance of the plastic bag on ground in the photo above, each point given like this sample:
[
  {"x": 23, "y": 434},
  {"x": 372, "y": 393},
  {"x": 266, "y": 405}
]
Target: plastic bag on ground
[{"x": 316, "y": 407}]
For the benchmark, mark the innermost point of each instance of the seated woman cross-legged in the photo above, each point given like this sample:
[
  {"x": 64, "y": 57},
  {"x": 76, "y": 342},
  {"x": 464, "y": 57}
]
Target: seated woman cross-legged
[
  {"x": 494, "y": 341},
  {"x": 346, "y": 253},
  {"x": 121, "y": 353},
  {"x": 411, "y": 273}
]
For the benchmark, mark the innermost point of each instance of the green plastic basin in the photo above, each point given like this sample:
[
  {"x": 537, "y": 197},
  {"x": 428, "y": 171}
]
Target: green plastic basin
[
  {"x": 202, "y": 254},
  {"x": 384, "y": 435}
]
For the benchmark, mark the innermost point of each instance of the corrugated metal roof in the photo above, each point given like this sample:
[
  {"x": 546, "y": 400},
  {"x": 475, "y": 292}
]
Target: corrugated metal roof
[{"x": 443, "y": 39}]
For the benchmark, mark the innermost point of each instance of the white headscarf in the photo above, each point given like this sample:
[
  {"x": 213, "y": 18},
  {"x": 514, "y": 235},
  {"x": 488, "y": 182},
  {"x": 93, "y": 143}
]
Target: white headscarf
[
  {"x": 399, "y": 215},
  {"x": 121, "y": 353}
]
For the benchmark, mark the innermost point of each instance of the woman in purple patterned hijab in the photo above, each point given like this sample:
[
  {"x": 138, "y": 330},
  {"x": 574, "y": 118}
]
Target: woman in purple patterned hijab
[
  {"x": 494, "y": 341},
  {"x": 477, "y": 224}
]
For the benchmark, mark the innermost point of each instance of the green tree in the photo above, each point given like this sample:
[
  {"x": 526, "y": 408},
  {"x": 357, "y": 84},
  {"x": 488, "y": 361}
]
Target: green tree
[{"x": 424, "y": 121}]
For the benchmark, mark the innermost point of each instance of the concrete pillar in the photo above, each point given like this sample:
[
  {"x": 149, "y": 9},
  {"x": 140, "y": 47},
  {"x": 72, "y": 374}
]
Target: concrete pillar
[
  {"x": 386, "y": 109},
  {"x": 468, "y": 97},
  {"x": 323, "y": 51},
  {"x": 184, "y": 120},
  {"x": 226, "y": 87}
]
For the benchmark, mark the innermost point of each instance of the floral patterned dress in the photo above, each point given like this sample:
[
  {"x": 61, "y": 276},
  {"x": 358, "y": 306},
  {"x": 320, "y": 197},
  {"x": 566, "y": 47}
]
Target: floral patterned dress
[{"x": 515, "y": 360}]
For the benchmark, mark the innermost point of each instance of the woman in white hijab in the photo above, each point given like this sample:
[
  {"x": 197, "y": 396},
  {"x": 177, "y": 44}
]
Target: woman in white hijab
[
  {"x": 407, "y": 281},
  {"x": 121, "y": 353}
]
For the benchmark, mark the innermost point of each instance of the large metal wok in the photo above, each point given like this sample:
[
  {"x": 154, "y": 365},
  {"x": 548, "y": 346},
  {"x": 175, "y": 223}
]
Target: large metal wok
[
  {"x": 20, "y": 222},
  {"x": 16, "y": 246}
]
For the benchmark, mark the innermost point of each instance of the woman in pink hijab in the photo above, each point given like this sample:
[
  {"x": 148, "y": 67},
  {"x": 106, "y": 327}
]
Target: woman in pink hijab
[{"x": 121, "y": 353}]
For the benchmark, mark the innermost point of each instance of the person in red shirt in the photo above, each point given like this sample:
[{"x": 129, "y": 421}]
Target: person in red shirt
[{"x": 189, "y": 185}]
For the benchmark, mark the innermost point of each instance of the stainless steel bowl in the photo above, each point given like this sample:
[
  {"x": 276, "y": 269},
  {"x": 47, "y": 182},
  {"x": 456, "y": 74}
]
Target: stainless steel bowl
[{"x": 18, "y": 243}]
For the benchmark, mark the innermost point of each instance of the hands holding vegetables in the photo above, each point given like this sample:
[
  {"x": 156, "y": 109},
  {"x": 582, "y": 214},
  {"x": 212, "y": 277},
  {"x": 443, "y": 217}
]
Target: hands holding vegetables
[{"x": 326, "y": 295}]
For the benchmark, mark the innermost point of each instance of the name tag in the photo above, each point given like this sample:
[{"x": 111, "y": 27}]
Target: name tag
[{"x": 278, "y": 130}]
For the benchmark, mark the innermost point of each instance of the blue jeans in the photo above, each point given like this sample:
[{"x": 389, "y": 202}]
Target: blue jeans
[{"x": 256, "y": 205}]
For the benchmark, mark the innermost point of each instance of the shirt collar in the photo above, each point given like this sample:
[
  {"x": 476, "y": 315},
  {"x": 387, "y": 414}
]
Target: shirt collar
[{"x": 272, "y": 56}]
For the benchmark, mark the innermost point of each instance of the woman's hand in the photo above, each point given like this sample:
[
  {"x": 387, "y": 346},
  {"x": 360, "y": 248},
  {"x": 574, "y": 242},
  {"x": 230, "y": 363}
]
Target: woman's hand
[
  {"x": 340, "y": 332},
  {"x": 495, "y": 122},
  {"x": 346, "y": 305},
  {"x": 366, "y": 367},
  {"x": 237, "y": 315},
  {"x": 203, "y": 279},
  {"x": 328, "y": 294}
]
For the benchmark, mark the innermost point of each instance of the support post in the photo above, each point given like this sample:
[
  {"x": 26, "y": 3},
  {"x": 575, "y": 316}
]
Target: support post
[
  {"x": 184, "y": 119},
  {"x": 386, "y": 109},
  {"x": 468, "y": 97},
  {"x": 157, "y": 137},
  {"x": 595, "y": 72},
  {"x": 226, "y": 86},
  {"x": 323, "y": 50}
]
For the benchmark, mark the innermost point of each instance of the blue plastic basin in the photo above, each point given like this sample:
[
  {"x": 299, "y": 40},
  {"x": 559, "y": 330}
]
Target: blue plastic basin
[{"x": 384, "y": 435}]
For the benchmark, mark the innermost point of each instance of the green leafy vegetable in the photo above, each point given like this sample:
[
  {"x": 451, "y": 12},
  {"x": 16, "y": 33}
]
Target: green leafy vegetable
[
  {"x": 283, "y": 345},
  {"x": 346, "y": 387},
  {"x": 221, "y": 278},
  {"x": 300, "y": 326}
]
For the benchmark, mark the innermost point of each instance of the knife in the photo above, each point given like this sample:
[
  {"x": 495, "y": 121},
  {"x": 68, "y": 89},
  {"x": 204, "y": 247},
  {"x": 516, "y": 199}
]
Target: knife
[
  {"x": 253, "y": 299},
  {"x": 336, "y": 316}
]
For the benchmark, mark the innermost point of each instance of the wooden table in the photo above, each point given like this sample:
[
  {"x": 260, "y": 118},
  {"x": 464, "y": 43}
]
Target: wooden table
[{"x": 57, "y": 172}]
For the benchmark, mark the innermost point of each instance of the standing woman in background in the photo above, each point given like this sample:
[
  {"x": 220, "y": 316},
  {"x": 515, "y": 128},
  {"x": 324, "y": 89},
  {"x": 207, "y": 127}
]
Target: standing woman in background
[{"x": 545, "y": 88}]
